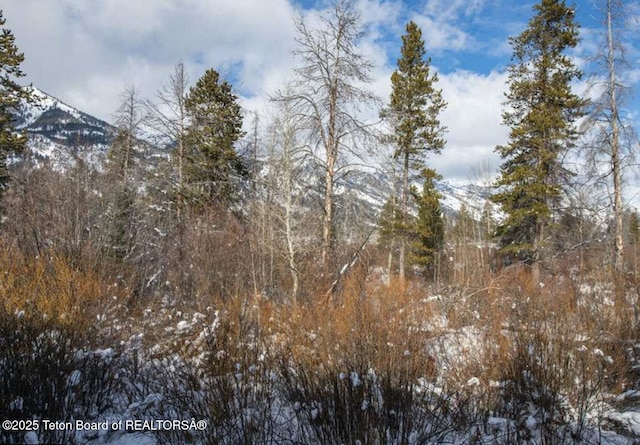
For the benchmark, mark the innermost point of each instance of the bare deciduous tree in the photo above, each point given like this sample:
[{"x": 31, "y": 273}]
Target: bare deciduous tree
[
  {"x": 280, "y": 218},
  {"x": 611, "y": 130},
  {"x": 169, "y": 119},
  {"x": 128, "y": 118},
  {"x": 327, "y": 97},
  {"x": 289, "y": 161}
]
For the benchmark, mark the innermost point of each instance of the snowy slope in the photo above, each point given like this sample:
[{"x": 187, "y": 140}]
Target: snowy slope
[
  {"x": 44, "y": 103},
  {"x": 59, "y": 132},
  {"x": 374, "y": 188}
]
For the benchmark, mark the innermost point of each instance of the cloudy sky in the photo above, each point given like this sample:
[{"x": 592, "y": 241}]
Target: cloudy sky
[{"x": 85, "y": 52}]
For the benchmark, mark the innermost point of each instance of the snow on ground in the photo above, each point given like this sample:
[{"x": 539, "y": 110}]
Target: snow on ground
[{"x": 628, "y": 420}]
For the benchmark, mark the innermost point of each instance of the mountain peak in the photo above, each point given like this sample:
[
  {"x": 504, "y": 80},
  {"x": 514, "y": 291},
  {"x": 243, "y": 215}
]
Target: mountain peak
[{"x": 50, "y": 118}]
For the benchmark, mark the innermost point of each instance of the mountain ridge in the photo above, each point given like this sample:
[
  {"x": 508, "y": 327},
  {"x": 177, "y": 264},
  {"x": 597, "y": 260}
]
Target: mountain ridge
[
  {"x": 62, "y": 123},
  {"x": 59, "y": 133}
]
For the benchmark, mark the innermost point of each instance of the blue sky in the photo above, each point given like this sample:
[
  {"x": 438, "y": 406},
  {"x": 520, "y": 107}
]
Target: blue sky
[{"x": 86, "y": 52}]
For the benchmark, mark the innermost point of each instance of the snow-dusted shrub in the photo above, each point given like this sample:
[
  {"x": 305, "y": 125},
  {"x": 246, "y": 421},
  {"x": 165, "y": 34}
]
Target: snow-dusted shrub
[
  {"x": 552, "y": 384},
  {"x": 357, "y": 370},
  {"x": 47, "y": 333},
  {"x": 47, "y": 372},
  {"x": 36, "y": 362},
  {"x": 237, "y": 407},
  {"x": 361, "y": 405},
  {"x": 221, "y": 375}
]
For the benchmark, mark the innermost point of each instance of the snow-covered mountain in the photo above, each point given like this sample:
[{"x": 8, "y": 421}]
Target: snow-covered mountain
[
  {"x": 62, "y": 123},
  {"x": 374, "y": 188},
  {"x": 59, "y": 133},
  {"x": 474, "y": 197}
]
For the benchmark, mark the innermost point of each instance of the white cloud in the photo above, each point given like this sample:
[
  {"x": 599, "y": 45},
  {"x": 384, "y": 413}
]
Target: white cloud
[
  {"x": 474, "y": 122},
  {"x": 380, "y": 14},
  {"x": 474, "y": 106},
  {"x": 442, "y": 23},
  {"x": 442, "y": 35},
  {"x": 87, "y": 52},
  {"x": 452, "y": 10}
]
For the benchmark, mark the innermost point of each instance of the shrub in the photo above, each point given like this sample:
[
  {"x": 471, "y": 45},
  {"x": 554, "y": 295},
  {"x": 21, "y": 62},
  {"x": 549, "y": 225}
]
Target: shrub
[{"x": 49, "y": 365}]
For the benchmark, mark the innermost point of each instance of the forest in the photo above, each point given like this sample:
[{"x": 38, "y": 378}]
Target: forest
[{"x": 204, "y": 279}]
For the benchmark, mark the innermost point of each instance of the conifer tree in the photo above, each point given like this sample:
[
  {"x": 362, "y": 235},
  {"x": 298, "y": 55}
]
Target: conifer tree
[
  {"x": 413, "y": 111},
  {"x": 541, "y": 113},
  {"x": 216, "y": 125},
  {"x": 11, "y": 95},
  {"x": 427, "y": 231},
  {"x": 122, "y": 156},
  {"x": 121, "y": 218}
]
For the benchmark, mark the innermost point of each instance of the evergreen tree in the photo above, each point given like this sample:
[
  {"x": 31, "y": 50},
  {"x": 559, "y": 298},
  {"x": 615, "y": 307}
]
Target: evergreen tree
[
  {"x": 216, "y": 125},
  {"x": 11, "y": 95},
  {"x": 120, "y": 196},
  {"x": 427, "y": 231},
  {"x": 121, "y": 168},
  {"x": 541, "y": 114},
  {"x": 121, "y": 219},
  {"x": 413, "y": 111}
]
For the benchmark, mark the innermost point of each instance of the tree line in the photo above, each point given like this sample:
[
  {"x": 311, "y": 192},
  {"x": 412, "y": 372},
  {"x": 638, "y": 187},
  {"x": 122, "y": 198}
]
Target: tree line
[{"x": 281, "y": 217}]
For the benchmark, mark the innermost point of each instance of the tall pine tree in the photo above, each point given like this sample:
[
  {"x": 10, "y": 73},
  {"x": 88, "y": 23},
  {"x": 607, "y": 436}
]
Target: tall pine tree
[
  {"x": 11, "y": 95},
  {"x": 216, "y": 125},
  {"x": 541, "y": 113},
  {"x": 413, "y": 114}
]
